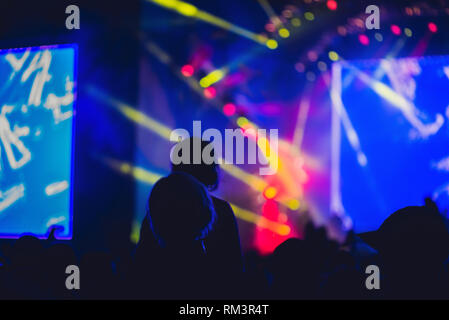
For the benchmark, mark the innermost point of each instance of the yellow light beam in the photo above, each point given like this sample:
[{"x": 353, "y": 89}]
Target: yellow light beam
[
  {"x": 189, "y": 10},
  {"x": 133, "y": 114},
  {"x": 138, "y": 173},
  {"x": 246, "y": 215},
  {"x": 213, "y": 77},
  {"x": 163, "y": 131}
]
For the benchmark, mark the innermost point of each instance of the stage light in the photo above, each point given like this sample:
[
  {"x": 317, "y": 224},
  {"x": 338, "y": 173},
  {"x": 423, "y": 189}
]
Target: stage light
[
  {"x": 189, "y": 10},
  {"x": 408, "y": 32},
  {"x": 342, "y": 31},
  {"x": 395, "y": 29},
  {"x": 272, "y": 44},
  {"x": 229, "y": 109},
  {"x": 300, "y": 67},
  {"x": 242, "y": 121},
  {"x": 270, "y": 27},
  {"x": 186, "y": 9},
  {"x": 187, "y": 70},
  {"x": 284, "y": 33},
  {"x": 432, "y": 27},
  {"x": 378, "y": 36},
  {"x": 270, "y": 192},
  {"x": 287, "y": 13},
  {"x": 312, "y": 55},
  {"x": 332, "y": 5},
  {"x": 333, "y": 56},
  {"x": 296, "y": 22},
  {"x": 293, "y": 204},
  {"x": 210, "y": 92},
  {"x": 363, "y": 39},
  {"x": 212, "y": 78},
  {"x": 309, "y": 16},
  {"x": 322, "y": 66},
  {"x": 310, "y": 76}
]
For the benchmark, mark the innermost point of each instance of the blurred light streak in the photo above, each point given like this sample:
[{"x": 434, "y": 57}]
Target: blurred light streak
[
  {"x": 270, "y": 13},
  {"x": 260, "y": 221},
  {"x": 213, "y": 77},
  {"x": 301, "y": 121},
  {"x": 338, "y": 105},
  {"x": 132, "y": 113},
  {"x": 138, "y": 173},
  {"x": 189, "y": 10}
]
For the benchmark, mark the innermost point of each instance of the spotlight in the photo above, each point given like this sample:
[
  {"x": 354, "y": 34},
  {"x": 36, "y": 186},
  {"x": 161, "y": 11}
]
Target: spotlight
[
  {"x": 272, "y": 44},
  {"x": 309, "y": 16},
  {"x": 333, "y": 55},
  {"x": 284, "y": 33},
  {"x": 363, "y": 38},
  {"x": 270, "y": 192},
  {"x": 332, "y": 5},
  {"x": 296, "y": 22},
  {"x": 229, "y": 109},
  {"x": 395, "y": 29},
  {"x": 242, "y": 121},
  {"x": 187, "y": 70},
  {"x": 408, "y": 32},
  {"x": 432, "y": 27},
  {"x": 210, "y": 92}
]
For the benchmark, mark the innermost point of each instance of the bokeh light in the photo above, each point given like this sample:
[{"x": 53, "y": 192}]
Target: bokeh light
[
  {"x": 210, "y": 92},
  {"x": 187, "y": 70},
  {"x": 395, "y": 29},
  {"x": 229, "y": 109},
  {"x": 332, "y": 5},
  {"x": 432, "y": 27}
]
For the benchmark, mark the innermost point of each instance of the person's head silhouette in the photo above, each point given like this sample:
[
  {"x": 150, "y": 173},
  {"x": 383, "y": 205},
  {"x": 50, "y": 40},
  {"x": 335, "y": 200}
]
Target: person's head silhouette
[
  {"x": 205, "y": 170},
  {"x": 180, "y": 212}
]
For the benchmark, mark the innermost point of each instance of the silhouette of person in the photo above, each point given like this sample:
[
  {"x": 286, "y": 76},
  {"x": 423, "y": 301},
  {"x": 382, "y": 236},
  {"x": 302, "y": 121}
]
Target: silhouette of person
[
  {"x": 413, "y": 244},
  {"x": 179, "y": 219},
  {"x": 223, "y": 243}
]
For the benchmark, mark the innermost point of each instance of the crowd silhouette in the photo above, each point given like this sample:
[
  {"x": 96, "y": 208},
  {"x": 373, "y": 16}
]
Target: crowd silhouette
[{"x": 189, "y": 248}]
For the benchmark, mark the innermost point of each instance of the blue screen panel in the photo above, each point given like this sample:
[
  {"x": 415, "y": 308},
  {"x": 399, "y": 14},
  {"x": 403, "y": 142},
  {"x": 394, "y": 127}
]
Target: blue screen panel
[
  {"x": 393, "y": 136},
  {"x": 37, "y": 94}
]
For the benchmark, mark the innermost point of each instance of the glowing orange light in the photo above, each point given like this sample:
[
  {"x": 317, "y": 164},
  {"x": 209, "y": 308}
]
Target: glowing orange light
[{"x": 270, "y": 192}]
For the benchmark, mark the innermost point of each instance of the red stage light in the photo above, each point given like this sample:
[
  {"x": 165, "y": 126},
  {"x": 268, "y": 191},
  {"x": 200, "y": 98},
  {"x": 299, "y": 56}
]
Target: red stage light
[
  {"x": 395, "y": 29},
  {"x": 432, "y": 27},
  {"x": 210, "y": 92},
  {"x": 363, "y": 38},
  {"x": 332, "y": 5},
  {"x": 229, "y": 109},
  {"x": 187, "y": 70}
]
